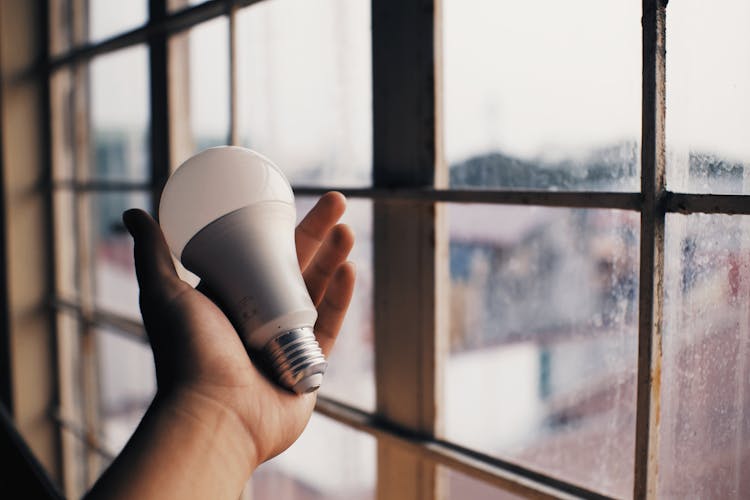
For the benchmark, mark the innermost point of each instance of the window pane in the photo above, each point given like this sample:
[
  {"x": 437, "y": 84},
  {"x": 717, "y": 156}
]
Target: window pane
[
  {"x": 305, "y": 88},
  {"x": 115, "y": 285},
  {"x": 704, "y": 433},
  {"x": 541, "y": 368},
  {"x": 542, "y": 95},
  {"x": 102, "y": 19},
  {"x": 708, "y": 106},
  {"x": 112, "y": 17},
  {"x": 350, "y": 375},
  {"x": 119, "y": 115},
  {"x": 127, "y": 384},
  {"x": 459, "y": 486},
  {"x": 328, "y": 462},
  {"x": 200, "y": 100}
]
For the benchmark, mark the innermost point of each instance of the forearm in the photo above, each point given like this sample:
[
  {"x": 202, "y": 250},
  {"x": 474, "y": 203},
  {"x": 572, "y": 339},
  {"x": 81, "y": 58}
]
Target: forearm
[{"x": 186, "y": 446}]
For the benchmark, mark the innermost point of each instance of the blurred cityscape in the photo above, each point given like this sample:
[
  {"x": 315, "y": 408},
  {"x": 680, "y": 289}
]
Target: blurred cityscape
[{"x": 543, "y": 333}]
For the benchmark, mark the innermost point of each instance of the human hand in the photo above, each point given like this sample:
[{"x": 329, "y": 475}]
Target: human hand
[{"x": 200, "y": 360}]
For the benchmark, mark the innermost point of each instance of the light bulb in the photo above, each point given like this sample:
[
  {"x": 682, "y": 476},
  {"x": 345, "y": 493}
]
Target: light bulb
[{"x": 228, "y": 215}]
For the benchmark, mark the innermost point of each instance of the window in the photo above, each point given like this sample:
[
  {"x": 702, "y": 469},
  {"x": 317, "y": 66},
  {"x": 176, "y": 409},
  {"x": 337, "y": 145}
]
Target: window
[{"x": 552, "y": 293}]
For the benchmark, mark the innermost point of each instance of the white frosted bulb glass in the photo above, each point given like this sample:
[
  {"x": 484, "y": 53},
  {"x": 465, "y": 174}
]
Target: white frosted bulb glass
[{"x": 228, "y": 214}]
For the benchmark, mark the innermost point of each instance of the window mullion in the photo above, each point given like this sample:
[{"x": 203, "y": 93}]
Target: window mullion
[
  {"x": 233, "y": 78},
  {"x": 84, "y": 264},
  {"x": 428, "y": 195},
  {"x": 652, "y": 249},
  {"x": 159, "y": 101},
  {"x": 404, "y": 156}
]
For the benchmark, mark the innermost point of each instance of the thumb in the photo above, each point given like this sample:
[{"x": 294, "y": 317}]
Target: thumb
[
  {"x": 157, "y": 276},
  {"x": 159, "y": 285}
]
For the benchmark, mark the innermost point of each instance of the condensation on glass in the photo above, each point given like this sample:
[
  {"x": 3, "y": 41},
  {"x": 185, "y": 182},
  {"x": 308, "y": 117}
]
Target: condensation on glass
[
  {"x": 350, "y": 376},
  {"x": 704, "y": 429},
  {"x": 127, "y": 384},
  {"x": 550, "y": 101},
  {"x": 328, "y": 462},
  {"x": 119, "y": 116},
  {"x": 543, "y": 339},
  {"x": 199, "y": 99},
  {"x": 304, "y": 88},
  {"x": 458, "y": 486},
  {"x": 111, "y": 251},
  {"x": 708, "y": 105}
]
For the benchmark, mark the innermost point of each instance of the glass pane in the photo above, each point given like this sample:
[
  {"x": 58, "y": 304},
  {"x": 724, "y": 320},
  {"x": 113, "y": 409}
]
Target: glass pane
[
  {"x": 102, "y": 19},
  {"x": 542, "y": 95},
  {"x": 115, "y": 285},
  {"x": 119, "y": 115},
  {"x": 127, "y": 384},
  {"x": 305, "y": 93},
  {"x": 201, "y": 99},
  {"x": 328, "y": 462},
  {"x": 350, "y": 375},
  {"x": 112, "y": 17},
  {"x": 459, "y": 486},
  {"x": 542, "y": 361},
  {"x": 708, "y": 106},
  {"x": 704, "y": 433}
]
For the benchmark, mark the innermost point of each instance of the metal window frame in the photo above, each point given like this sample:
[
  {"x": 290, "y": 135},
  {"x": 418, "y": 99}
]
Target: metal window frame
[
  {"x": 405, "y": 238},
  {"x": 653, "y": 213},
  {"x": 409, "y": 178}
]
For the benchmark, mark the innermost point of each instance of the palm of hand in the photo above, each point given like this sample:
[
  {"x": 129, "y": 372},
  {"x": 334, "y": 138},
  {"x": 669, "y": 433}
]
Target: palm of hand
[{"x": 196, "y": 348}]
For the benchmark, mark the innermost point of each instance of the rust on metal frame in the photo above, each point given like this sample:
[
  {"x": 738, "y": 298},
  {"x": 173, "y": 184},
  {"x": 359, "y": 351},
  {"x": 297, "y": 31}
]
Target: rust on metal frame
[{"x": 688, "y": 203}]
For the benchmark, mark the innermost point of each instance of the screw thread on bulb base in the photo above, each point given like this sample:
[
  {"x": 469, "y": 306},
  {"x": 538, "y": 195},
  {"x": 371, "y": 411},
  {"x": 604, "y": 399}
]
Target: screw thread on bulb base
[{"x": 297, "y": 360}]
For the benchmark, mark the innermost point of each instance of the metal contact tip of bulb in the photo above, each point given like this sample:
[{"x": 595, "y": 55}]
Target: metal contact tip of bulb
[{"x": 297, "y": 360}]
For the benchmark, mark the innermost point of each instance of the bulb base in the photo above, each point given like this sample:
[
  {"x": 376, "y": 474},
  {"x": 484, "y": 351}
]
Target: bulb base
[{"x": 296, "y": 359}]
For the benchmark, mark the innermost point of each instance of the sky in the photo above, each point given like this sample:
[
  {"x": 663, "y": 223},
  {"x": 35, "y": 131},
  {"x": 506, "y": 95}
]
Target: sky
[
  {"x": 544, "y": 78},
  {"x": 708, "y": 77}
]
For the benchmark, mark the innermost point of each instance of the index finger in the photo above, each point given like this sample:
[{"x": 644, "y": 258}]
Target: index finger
[{"x": 312, "y": 231}]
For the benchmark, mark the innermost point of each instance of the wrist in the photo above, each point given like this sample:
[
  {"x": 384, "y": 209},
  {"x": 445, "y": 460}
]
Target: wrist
[
  {"x": 186, "y": 446},
  {"x": 231, "y": 442}
]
